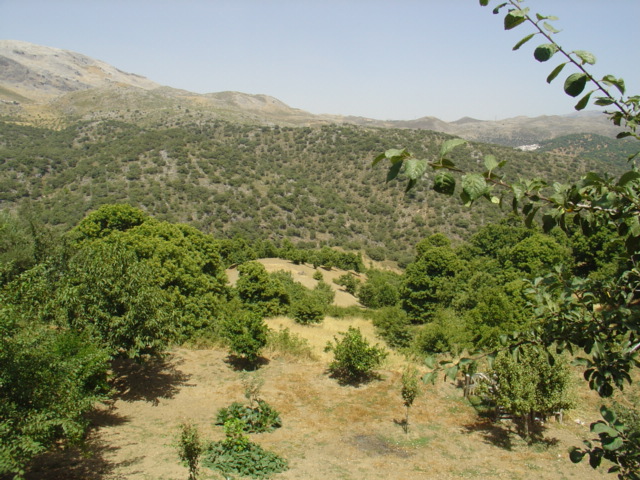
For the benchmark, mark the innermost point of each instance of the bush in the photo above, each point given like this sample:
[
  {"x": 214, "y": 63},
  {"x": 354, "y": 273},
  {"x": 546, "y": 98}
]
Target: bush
[
  {"x": 190, "y": 448},
  {"x": 392, "y": 324},
  {"x": 255, "y": 419},
  {"x": 246, "y": 334},
  {"x": 308, "y": 310},
  {"x": 349, "y": 282},
  {"x": 354, "y": 359},
  {"x": 49, "y": 379},
  {"x": 236, "y": 455}
]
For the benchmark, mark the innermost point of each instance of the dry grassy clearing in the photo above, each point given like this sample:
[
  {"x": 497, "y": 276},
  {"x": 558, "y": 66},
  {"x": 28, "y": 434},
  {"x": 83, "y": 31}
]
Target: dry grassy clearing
[{"x": 329, "y": 431}]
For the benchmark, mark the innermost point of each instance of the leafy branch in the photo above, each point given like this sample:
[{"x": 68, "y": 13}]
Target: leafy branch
[{"x": 575, "y": 84}]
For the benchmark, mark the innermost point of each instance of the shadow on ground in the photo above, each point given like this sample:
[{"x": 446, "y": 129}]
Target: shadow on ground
[
  {"x": 491, "y": 432},
  {"x": 151, "y": 380},
  {"x": 86, "y": 462}
]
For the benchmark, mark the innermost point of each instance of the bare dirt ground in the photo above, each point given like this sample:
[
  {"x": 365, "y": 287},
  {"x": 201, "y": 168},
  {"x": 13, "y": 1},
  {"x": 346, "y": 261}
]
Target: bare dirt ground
[{"x": 329, "y": 431}]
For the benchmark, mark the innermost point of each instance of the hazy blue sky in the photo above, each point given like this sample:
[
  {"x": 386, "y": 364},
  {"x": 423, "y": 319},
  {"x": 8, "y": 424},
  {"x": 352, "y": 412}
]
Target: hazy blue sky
[{"x": 385, "y": 59}]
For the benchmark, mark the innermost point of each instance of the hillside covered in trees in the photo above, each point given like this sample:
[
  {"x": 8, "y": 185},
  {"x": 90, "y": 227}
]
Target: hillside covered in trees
[{"x": 310, "y": 185}]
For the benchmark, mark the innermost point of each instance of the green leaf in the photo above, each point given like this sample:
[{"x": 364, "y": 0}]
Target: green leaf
[
  {"x": 544, "y": 52},
  {"x": 523, "y": 41},
  {"x": 607, "y": 414},
  {"x": 576, "y": 455},
  {"x": 585, "y": 57},
  {"x": 414, "y": 168},
  {"x": 604, "y": 101},
  {"x": 613, "y": 444},
  {"x": 429, "y": 377},
  {"x": 550, "y": 28},
  {"x": 583, "y": 101},
  {"x": 627, "y": 177},
  {"x": 377, "y": 160},
  {"x": 575, "y": 83},
  {"x": 595, "y": 457},
  {"x": 498, "y": 8},
  {"x": 451, "y": 372},
  {"x": 430, "y": 361},
  {"x": 616, "y": 82},
  {"x": 393, "y": 171},
  {"x": 484, "y": 3},
  {"x": 444, "y": 183},
  {"x": 490, "y": 162},
  {"x": 601, "y": 427},
  {"x": 515, "y": 18},
  {"x": 474, "y": 186},
  {"x": 555, "y": 72},
  {"x": 450, "y": 145}
]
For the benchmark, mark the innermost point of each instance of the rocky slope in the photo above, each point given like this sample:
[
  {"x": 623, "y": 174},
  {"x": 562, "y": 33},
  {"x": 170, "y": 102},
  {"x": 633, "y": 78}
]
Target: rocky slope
[{"x": 56, "y": 86}]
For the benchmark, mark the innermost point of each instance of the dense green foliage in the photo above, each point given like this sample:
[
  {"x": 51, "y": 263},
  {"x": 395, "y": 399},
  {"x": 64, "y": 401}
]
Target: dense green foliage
[
  {"x": 258, "y": 418},
  {"x": 245, "y": 332},
  {"x": 236, "y": 455},
  {"x": 49, "y": 378},
  {"x": 308, "y": 185},
  {"x": 354, "y": 360},
  {"x": 528, "y": 384}
]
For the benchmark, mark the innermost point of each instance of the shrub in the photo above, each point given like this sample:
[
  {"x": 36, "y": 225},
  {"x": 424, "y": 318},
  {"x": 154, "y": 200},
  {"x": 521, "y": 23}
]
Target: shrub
[
  {"x": 236, "y": 455},
  {"x": 255, "y": 419},
  {"x": 308, "y": 310},
  {"x": 349, "y": 282},
  {"x": 190, "y": 448},
  {"x": 246, "y": 334},
  {"x": 392, "y": 324},
  {"x": 354, "y": 359}
]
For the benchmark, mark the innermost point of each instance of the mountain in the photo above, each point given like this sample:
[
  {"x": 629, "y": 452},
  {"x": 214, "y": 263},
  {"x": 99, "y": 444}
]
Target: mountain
[
  {"x": 76, "y": 134},
  {"x": 49, "y": 86}
]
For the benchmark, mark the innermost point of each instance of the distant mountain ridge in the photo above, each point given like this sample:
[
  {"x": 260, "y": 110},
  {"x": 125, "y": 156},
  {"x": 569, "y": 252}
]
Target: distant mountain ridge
[{"x": 55, "y": 85}]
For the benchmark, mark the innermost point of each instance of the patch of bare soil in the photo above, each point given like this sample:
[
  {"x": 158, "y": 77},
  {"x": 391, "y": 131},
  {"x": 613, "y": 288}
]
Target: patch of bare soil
[{"x": 329, "y": 431}]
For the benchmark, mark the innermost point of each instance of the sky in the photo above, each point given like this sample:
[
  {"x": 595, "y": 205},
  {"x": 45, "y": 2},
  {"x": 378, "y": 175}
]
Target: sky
[{"x": 382, "y": 59}]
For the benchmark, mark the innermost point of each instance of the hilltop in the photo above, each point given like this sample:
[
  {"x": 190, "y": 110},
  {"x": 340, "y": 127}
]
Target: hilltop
[{"x": 49, "y": 86}]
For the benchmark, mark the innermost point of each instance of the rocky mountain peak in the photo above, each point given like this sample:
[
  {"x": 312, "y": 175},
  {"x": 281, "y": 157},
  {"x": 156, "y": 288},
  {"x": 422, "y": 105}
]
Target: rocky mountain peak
[{"x": 36, "y": 71}]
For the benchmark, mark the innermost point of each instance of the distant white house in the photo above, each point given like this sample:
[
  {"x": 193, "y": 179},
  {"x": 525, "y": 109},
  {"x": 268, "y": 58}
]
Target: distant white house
[{"x": 528, "y": 148}]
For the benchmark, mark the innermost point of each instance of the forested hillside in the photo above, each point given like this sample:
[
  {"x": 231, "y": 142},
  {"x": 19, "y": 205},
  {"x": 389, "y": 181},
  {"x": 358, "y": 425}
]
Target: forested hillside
[{"x": 312, "y": 185}]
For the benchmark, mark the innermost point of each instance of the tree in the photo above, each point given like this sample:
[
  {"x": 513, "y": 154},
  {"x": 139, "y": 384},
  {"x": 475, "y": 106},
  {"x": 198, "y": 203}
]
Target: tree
[
  {"x": 410, "y": 391},
  {"x": 601, "y": 317},
  {"x": 49, "y": 379},
  {"x": 528, "y": 384},
  {"x": 245, "y": 332},
  {"x": 353, "y": 358},
  {"x": 259, "y": 291},
  {"x": 426, "y": 279}
]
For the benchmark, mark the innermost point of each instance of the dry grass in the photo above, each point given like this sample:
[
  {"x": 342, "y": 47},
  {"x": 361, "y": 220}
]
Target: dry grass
[{"x": 329, "y": 431}]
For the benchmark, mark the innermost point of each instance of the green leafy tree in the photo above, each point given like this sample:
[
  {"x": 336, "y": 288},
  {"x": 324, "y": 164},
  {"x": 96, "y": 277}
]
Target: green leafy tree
[
  {"x": 528, "y": 384},
  {"x": 308, "y": 309},
  {"x": 246, "y": 333},
  {"x": 427, "y": 278},
  {"x": 354, "y": 360},
  {"x": 112, "y": 295},
  {"x": 261, "y": 292},
  {"x": 110, "y": 218},
  {"x": 410, "y": 391},
  {"x": 49, "y": 379}
]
